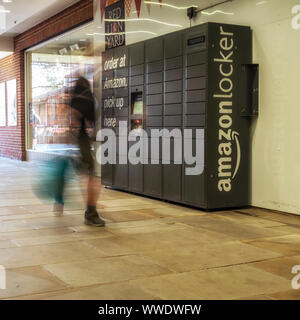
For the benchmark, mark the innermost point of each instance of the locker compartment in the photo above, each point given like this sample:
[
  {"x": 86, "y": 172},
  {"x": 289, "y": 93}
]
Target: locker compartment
[
  {"x": 137, "y": 70},
  {"x": 173, "y": 63},
  {"x": 154, "y": 110},
  {"x": 196, "y": 58},
  {"x": 174, "y": 74},
  {"x": 174, "y": 97},
  {"x": 196, "y": 83},
  {"x": 154, "y": 99},
  {"x": 173, "y": 86},
  {"x": 136, "y": 177},
  {"x": 173, "y": 45},
  {"x": 172, "y": 181},
  {"x": 120, "y": 176},
  {"x": 194, "y": 189},
  {"x": 153, "y": 179},
  {"x": 196, "y": 71},
  {"x": 173, "y": 121},
  {"x": 137, "y": 80},
  {"x": 155, "y": 88},
  {"x": 155, "y": 66},
  {"x": 171, "y": 109},
  {"x": 136, "y": 54},
  {"x": 154, "y": 77},
  {"x": 107, "y": 174},
  {"x": 154, "y": 49},
  {"x": 154, "y": 121},
  {"x": 196, "y": 120},
  {"x": 195, "y": 107},
  {"x": 195, "y": 95}
]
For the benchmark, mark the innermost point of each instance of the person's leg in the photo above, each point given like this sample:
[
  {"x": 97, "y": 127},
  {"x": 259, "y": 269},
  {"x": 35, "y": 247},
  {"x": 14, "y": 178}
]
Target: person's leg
[
  {"x": 93, "y": 184},
  {"x": 93, "y": 190}
]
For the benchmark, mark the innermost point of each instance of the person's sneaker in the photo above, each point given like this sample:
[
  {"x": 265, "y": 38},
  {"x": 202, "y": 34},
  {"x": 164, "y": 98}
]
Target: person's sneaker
[
  {"x": 92, "y": 219},
  {"x": 58, "y": 209}
]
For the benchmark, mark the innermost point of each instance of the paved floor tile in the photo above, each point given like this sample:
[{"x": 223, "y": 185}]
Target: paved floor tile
[
  {"x": 26, "y": 281},
  {"x": 281, "y": 266},
  {"x": 196, "y": 257},
  {"x": 223, "y": 283},
  {"x": 105, "y": 270},
  {"x": 114, "y": 291},
  {"x": 286, "y": 245},
  {"x": 47, "y": 254}
]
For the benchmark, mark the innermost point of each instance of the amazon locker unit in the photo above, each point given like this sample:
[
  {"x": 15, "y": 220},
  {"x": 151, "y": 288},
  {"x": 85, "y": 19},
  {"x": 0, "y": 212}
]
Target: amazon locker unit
[{"x": 199, "y": 83}]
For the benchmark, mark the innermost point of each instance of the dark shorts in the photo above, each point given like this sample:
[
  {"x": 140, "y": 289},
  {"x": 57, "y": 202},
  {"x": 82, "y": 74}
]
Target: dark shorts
[{"x": 86, "y": 165}]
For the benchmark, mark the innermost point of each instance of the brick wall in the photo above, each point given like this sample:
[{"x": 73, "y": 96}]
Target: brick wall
[{"x": 12, "y": 139}]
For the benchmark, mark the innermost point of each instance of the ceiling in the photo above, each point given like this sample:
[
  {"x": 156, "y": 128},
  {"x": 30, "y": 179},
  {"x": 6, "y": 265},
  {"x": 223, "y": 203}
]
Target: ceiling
[{"x": 17, "y": 16}]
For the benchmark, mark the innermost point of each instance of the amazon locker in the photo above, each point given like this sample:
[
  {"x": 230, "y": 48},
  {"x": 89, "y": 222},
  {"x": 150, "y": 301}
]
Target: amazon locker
[{"x": 199, "y": 83}]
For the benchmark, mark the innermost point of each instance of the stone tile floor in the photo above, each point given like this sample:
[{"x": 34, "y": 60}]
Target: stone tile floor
[{"x": 148, "y": 250}]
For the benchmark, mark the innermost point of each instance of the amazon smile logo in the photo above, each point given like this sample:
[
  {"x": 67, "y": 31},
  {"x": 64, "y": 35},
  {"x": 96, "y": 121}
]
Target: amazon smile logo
[{"x": 228, "y": 138}]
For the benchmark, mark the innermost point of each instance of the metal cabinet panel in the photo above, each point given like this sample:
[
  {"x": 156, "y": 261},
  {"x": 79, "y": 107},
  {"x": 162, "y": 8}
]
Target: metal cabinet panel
[
  {"x": 171, "y": 109},
  {"x": 196, "y": 71},
  {"x": 107, "y": 174},
  {"x": 196, "y": 83},
  {"x": 173, "y": 86},
  {"x": 137, "y": 80},
  {"x": 196, "y": 120},
  {"x": 174, "y": 74},
  {"x": 154, "y": 77},
  {"x": 155, "y": 66},
  {"x": 173, "y": 45},
  {"x": 155, "y": 121},
  {"x": 173, "y": 121},
  {"x": 153, "y": 179},
  {"x": 173, "y": 63},
  {"x": 137, "y": 70},
  {"x": 172, "y": 177},
  {"x": 154, "y": 49},
  {"x": 154, "y": 99},
  {"x": 136, "y": 54},
  {"x": 121, "y": 176},
  {"x": 154, "y": 110},
  {"x": 155, "y": 88},
  {"x": 136, "y": 177},
  {"x": 174, "y": 97},
  {"x": 195, "y": 95},
  {"x": 195, "y": 108},
  {"x": 196, "y": 58}
]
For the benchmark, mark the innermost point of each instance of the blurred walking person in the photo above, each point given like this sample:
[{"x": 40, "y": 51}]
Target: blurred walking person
[{"x": 83, "y": 110}]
